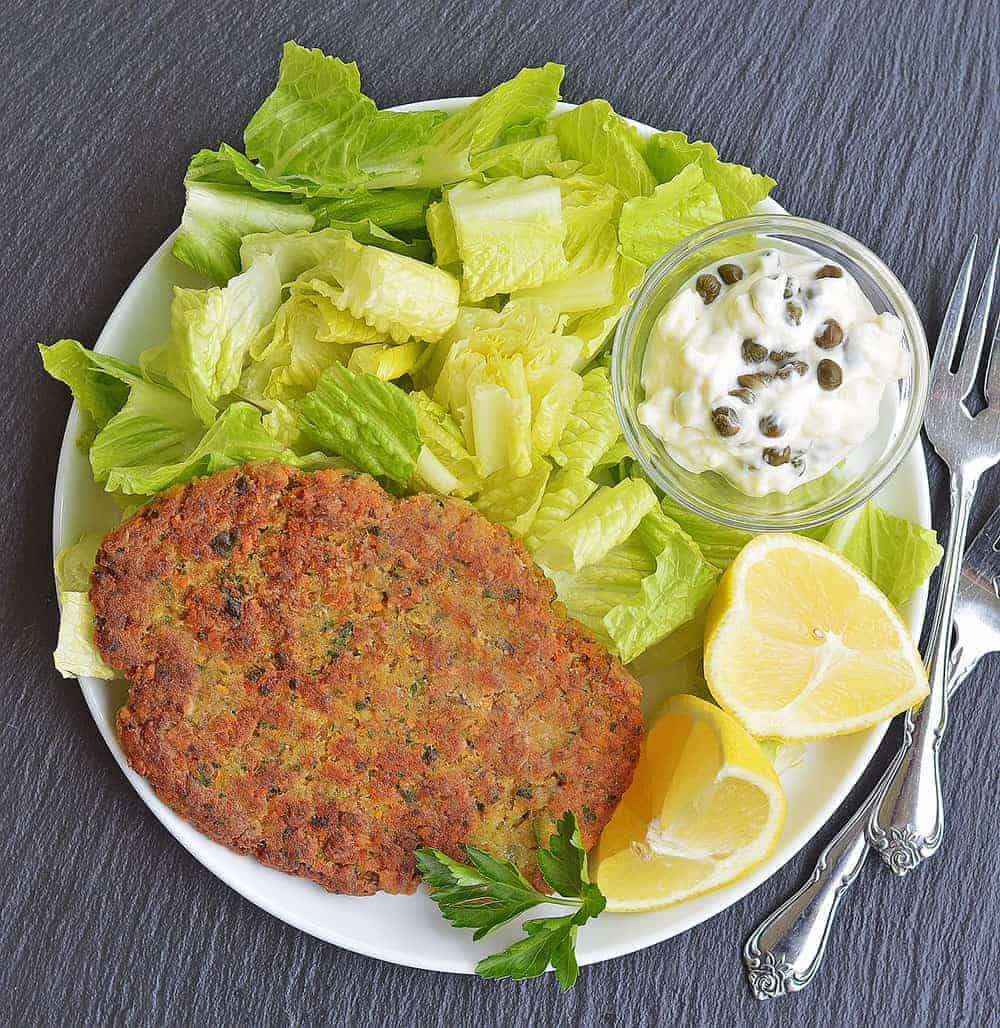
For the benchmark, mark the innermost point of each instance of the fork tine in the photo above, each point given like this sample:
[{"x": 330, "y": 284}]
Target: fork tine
[
  {"x": 980, "y": 321},
  {"x": 952, "y": 324},
  {"x": 972, "y": 348}
]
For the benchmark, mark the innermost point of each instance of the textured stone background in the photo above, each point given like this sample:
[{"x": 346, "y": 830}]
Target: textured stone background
[{"x": 880, "y": 118}]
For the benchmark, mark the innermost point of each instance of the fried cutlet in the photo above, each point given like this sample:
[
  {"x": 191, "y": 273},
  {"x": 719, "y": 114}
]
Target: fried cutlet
[{"x": 327, "y": 677}]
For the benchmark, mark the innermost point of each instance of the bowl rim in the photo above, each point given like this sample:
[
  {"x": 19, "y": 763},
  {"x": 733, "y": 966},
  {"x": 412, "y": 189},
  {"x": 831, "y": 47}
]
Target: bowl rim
[{"x": 858, "y": 255}]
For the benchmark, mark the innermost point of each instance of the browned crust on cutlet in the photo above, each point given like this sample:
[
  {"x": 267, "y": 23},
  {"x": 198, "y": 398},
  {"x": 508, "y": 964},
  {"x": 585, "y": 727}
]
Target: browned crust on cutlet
[{"x": 327, "y": 677}]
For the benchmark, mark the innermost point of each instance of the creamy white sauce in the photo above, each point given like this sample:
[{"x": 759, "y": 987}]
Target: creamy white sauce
[{"x": 821, "y": 358}]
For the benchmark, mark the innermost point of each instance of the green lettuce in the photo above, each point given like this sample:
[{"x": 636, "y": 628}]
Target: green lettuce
[
  {"x": 513, "y": 501},
  {"x": 650, "y": 225},
  {"x": 211, "y": 331},
  {"x": 76, "y": 653},
  {"x": 739, "y": 189},
  {"x": 607, "y": 519},
  {"x": 444, "y": 465},
  {"x": 522, "y": 158},
  {"x": 396, "y": 210},
  {"x": 370, "y": 423},
  {"x": 593, "y": 424},
  {"x": 606, "y": 144},
  {"x": 509, "y": 234},
  {"x": 594, "y": 328},
  {"x": 221, "y": 207},
  {"x": 567, "y": 491},
  {"x": 896, "y": 554}
]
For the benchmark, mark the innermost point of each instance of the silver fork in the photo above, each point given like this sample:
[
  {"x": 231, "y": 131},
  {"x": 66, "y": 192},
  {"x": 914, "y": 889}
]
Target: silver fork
[
  {"x": 786, "y": 950},
  {"x": 907, "y": 823}
]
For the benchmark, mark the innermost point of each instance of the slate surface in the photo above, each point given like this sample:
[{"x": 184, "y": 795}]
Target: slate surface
[{"x": 882, "y": 119}]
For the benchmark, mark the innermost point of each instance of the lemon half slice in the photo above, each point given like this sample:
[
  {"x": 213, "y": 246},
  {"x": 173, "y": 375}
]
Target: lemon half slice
[
  {"x": 800, "y": 645},
  {"x": 704, "y": 807}
]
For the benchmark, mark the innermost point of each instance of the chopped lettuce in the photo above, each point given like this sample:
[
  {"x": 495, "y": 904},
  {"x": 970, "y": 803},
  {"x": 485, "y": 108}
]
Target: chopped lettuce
[
  {"x": 522, "y": 157},
  {"x": 650, "y": 225},
  {"x": 444, "y": 465},
  {"x": 567, "y": 491},
  {"x": 211, "y": 331},
  {"x": 594, "y": 328},
  {"x": 739, "y": 189},
  {"x": 395, "y": 210},
  {"x": 592, "y": 426},
  {"x": 718, "y": 544},
  {"x": 897, "y": 555},
  {"x": 370, "y": 423},
  {"x": 396, "y": 295},
  {"x": 386, "y": 362},
  {"x": 513, "y": 501},
  {"x": 441, "y": 228},
  {"x": 673, "y": 594},
  {"x": 221, "y": 207},
  {"x": 607, "y": 519},
  {"x": 99, "y": 383},
  {"x": 76, "y": 653},
  {"x": 509, "y": 234},
  {"x": 606, "y": 144}
]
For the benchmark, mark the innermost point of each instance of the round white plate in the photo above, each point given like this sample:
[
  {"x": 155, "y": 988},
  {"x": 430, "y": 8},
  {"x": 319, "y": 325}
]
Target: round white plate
[{"x": 409, "y": 929}]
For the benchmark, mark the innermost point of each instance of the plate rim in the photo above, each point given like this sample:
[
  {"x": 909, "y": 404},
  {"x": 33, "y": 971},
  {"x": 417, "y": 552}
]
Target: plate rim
[{"x": 178, "y": 828}]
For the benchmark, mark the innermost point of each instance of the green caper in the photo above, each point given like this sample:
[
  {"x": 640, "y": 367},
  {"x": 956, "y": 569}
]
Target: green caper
[
  {"x": 829, "y": 375},
  {"x": 708, "y": 287},
  {"x": 748, "y": 396},
  {"x": 786, "y": 371},
  {"x": 793, "y": 312},
  {"x": 790, "y": 287},
  {"x": 829, "y": 335},
  {"x": 730, "y": 273},
  {"x": 755, "y": 381},
  {"x": 753, "y": 352},
  {"x": 770, "y": 427},
  {"x": 776, "y": 457},
  {"x": 829, "y": 271},
  {"x": 780, "y": 356},
  {"x": 726, "y": 421}
]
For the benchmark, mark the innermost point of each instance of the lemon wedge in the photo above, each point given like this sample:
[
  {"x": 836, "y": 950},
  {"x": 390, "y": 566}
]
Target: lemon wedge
[
  {"x": 704, "y": 807},
  {"x": 800, "y": 645}
]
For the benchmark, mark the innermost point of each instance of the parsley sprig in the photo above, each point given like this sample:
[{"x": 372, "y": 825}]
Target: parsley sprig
[{"x": 487, "y": 893}]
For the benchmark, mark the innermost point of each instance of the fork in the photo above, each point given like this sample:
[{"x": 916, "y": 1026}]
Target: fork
[
  {"x": 785, "y": 951},
  {"x": 907, "y": 822}
]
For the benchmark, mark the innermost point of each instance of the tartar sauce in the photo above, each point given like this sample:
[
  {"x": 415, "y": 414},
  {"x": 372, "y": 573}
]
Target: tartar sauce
[{"x": 769, "y": 368}]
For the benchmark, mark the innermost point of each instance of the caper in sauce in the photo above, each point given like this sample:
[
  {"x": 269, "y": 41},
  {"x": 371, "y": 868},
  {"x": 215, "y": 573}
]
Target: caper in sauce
[
  {"x": 726, "y": 421},
  {"x": 708, "y": 287},
  {"x": 829, "y": 375},
  {"x": 748, "y": 396},
  {"x": 757, "y": 380},
  {"x": 786, "y": 371},
  {"x": 780, "y": 356},
  {"x": 776, "y": 457},
  {"x": 793, "y": 312},
  {"x": 829, "y": 335},
  {"x": 770, "y": 427},
  {"x": 730, "y": 273},
  {"x": 830, "y": 271},
  {"x": 753, "y": 352}
]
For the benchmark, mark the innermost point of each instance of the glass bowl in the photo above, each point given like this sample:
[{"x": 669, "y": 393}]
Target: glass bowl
[{"x": 863, "y": 472}]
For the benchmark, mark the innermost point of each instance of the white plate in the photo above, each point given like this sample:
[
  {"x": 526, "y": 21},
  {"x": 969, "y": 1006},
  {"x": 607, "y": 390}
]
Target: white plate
[{"x": 408, "y": 929}]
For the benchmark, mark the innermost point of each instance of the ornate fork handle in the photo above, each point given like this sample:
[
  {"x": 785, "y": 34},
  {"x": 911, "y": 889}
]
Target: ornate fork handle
[
  {"x": 786, "y": 950},
  {"x": 907, "y": 822}
]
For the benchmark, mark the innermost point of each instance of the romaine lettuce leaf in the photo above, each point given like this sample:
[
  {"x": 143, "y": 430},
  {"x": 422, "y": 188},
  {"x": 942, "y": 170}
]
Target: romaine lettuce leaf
[
  {"x": 509, "y": 234},
  {"x": 371, "y": 424},
  {"x": 605, "y": 521},
  {"x": 567, "y": 491},
  {"x": 606, "y": 144},
  {"x": 452, "y": 471},
  {"x": 673, "y": 594},
  {"x": 76, "y": 652},
  {"x": 594, "y": 328},
  {"x": 396, "y": 295},
  {"x": 718, "y": 544},
  {"x": 650, "y": 225},
  {"x": 391, "y": 209},
  {"x": 523, "y": 158},
  {"x": 211, "y": 331},
  {"x": 739, "y": 189},
  {"x": 99, "y": 383},
  {"x": 238, "y": 436},
  {"x": 513, "y": 500},
  {"x": 897, "y": 555},
  {"x": 386, "y": 362},
  {"x": 320, "y": 134},
  {"x": 592, "y": 426},
  {"x": 221, "y": 207},
  {"x": 441, "y": 228}
]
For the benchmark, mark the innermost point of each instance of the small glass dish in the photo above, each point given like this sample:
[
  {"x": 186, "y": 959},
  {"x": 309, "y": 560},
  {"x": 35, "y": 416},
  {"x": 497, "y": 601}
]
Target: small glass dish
[{"x": 863, "y": 472}]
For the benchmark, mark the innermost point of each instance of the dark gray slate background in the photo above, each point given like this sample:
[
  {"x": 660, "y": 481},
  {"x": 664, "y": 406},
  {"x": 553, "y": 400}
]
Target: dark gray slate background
[{"x": 880, "y": 118}]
